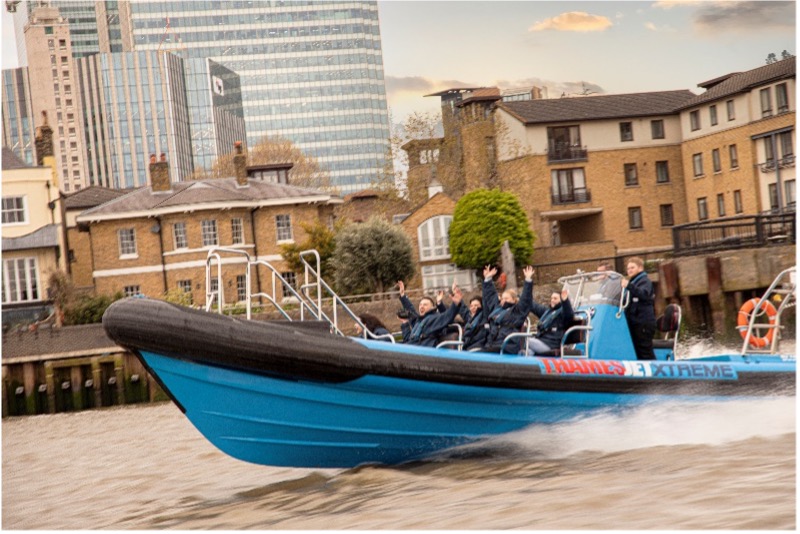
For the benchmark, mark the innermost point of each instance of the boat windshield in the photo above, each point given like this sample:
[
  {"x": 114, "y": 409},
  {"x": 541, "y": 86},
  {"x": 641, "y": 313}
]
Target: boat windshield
[{"x": 601, "y": 287}]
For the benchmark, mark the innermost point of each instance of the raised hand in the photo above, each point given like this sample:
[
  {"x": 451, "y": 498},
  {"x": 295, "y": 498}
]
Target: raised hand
[
  {"x": 564, "y": 295},
  {"x": 402, "y": 287},
  {"x": 528, "y": 272},
  {"x": 439, "y": 297},
  {"x": 489, "y": 272},
  {"x": 457, "y": 295}
]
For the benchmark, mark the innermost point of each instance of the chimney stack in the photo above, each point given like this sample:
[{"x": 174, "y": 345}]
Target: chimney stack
[
  {"x": 159, "y": 174},
  {"x": 240, "y": 164},
  {"x": 44, "y": 140}
]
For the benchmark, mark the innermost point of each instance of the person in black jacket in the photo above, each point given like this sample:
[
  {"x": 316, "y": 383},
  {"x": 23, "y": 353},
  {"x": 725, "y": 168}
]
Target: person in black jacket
[
  {"x": 506, "y": 315},
  {"x": 640, "y": 313},
  {"x": 474, "y": 324},
  {"x": 425, "y": 325},
  {"x": 554, "y": 320}
]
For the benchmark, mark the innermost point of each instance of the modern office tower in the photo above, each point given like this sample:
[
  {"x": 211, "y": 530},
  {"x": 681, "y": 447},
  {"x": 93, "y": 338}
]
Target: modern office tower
[
  {"x": 135, "y": 106},
  {"x": 310, "y": 71},
  {"x": 18, "y": 115},
  {"x": 54, "y": 92}
]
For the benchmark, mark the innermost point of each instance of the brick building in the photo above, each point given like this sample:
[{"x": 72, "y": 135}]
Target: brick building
[
  {"x": 611, "y": 175},
  {"x": 155, "y": 239}
]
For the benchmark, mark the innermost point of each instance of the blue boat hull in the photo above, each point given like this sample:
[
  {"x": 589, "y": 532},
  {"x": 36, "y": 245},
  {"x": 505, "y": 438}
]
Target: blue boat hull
[{"x": 279, "y": 395}]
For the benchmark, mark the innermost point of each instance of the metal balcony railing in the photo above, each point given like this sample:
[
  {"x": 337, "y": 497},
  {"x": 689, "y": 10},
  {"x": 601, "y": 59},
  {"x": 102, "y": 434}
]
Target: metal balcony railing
[
  {"x": 734, "y": 232},
  {"x": 557, "y": 153},
  {"x": 576, "y": 196}
]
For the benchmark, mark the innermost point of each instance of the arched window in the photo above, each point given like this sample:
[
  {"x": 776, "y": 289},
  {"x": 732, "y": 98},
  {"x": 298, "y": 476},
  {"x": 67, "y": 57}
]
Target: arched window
[{"x": 434, "y": 238}]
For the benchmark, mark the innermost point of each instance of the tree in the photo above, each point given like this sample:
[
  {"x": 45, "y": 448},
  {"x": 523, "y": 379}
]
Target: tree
[
  {"x": 320, "y": 238},
  {"x": 371, "y": 257},
  {"x": 306, "y": 170},
  {"x": 482, "y": 221}
]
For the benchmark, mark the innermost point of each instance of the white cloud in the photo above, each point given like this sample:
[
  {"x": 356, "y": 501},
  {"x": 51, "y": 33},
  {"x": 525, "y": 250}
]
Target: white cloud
[{"x": 574, "y": 21}]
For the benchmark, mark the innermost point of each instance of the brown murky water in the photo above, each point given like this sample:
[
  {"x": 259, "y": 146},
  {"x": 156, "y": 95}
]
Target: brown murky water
[{"x": 728, "y": 466}]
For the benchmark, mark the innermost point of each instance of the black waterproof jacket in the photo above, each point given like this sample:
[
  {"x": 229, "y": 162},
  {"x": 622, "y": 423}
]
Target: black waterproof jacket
[
  {"x": 474, "y": 327},
  {"x": 641, "y": 308},
  {"x": 425, "y": 330},
  {"x": 502, "y": 321},
  {"x": 553, "y": 322}
]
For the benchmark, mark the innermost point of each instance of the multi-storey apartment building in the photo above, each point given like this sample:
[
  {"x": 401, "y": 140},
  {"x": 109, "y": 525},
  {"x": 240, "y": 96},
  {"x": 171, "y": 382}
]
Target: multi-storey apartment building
[
  {"x": 594, "y": 169},
  {"x": 738, "y": 143},
  {"x": 156, "y": 239}
]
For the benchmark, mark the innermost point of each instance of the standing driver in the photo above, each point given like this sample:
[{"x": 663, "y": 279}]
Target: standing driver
[{"x": 640, "y": 313}]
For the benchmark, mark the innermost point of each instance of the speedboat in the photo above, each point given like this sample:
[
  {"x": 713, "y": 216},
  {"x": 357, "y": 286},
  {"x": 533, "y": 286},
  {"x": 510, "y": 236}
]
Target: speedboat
[{"x": 301, "y": 393}]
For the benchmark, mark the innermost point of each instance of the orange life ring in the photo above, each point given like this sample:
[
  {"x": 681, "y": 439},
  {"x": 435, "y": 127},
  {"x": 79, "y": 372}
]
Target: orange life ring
[{"x": 743, "y": 319}]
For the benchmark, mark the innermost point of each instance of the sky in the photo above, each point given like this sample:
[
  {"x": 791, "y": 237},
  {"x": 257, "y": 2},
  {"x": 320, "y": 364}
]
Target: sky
[{"x": 566, "y": 47}]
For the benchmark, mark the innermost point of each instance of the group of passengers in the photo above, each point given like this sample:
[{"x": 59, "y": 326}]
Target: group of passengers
[{"x": 487, "y": 321}]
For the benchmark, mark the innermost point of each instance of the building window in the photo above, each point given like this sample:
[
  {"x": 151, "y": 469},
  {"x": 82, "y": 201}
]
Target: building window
[
  {"x": 702, "y": 208},
  {"x": 782, "y": 98},
  {"x": 787, "y": 145},
  {"x": 214, "y": 287},
  {"x": 697, "y": 163},
  {"x": 631, "y": 176},
  {"x": 635, "y": 218},
  {"x": 694, "y": 120},
  {"x": 715, "y": 160},
  {"x": 721, "y": 205},
  {"x": 568, "y": 186},
  {"x": 773, "y": 196},
  {"x": 14, "y": 211},
  {"x": 186, "y": 287},
  {"x": 209, "y": 231},
  {"x": 662, "y": 172},
  {"x": 737, "y": 201},
  {"x": 241, "y": 287},
  {"x": 291, "y": 278},
  {"x": 766, "y": 102},
  {"x": 626, "y": 131},
  {"x": 127, "y": 242},
  {"x": 179, "y": 234},
  {"x": 657, "y": 129},
  {"x": 20, "y": 280},
  {"x": 769, "y": 151},
  {"x": 667, "y": 218},
  {"x": 734, "y": 156},
  {"x": 62, "y": 44},
  {"x": 712, "y": 115},
  {"x": 283, "y": 224},
  {"x": 731, "y": 110},
  {"x": 131, "y": 291},
  {"x": 428, "y": 156},
  {"x": 237, "y": 236},
  {"x": 434, "y": 238},
  {"x": 789, "y": 188},
  {"x": 48, "y": 30},
  {"x": 564, "y": 143},
  {"x": 443, "y": 275}
]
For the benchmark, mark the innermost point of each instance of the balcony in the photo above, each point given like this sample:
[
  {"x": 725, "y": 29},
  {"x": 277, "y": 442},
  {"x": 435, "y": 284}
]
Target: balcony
[
  {"x": 558, "y": 153},
  {"x": 576, "y": 196},
  {"x": 783, "y": 163}
]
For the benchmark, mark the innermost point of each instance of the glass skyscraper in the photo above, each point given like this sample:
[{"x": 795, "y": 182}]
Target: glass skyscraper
[
  {"x": 311, "y": 72},
  {"x": 17, "y": 114}
]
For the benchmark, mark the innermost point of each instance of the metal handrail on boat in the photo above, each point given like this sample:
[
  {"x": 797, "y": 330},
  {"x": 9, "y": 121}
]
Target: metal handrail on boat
[
  {"x": 577, "y": 328},
  {"x": 313, "y": 280},
  {"x": 285, "y": 286},
  {"x": 219, "y": 294},
  {"x": 790, "y": 290}
]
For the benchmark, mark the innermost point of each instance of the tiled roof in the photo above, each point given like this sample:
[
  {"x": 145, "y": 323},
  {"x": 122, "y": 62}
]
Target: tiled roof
[
  {"x": 745, "y": 81},
  {"x": 455, "y": 90},
  {"x": 197, "y": 193},
  {"x": 91, "y": 197},
  {"x": 65, "y": 341},
  {"x": 598, "y": 107},
  {"x": 44, "y": 237},
  {"x": 12, "y": 161}
]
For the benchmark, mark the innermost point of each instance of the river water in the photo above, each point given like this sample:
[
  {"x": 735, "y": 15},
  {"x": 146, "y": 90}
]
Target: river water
[{"x": 727, "y": 466}]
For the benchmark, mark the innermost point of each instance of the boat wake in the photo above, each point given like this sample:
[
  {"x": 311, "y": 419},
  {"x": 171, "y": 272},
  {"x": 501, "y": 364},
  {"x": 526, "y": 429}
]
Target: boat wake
[{"x": 667, "y": 424}]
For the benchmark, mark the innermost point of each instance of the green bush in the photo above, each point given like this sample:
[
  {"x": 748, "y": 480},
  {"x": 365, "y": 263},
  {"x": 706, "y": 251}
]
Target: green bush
[{"x": 89, "y": 309}]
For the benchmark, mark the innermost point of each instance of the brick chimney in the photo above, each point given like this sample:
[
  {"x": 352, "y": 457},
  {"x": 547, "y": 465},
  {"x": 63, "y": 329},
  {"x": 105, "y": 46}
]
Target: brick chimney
[
  {"x": 159, "y": 174},
  {"x": 240, "y": 164},
  {"x": 44, "y": 140}
]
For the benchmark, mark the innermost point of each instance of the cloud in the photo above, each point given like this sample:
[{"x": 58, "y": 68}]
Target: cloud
[
  {"x": 554, "y": 89},
  {"x": 714, "y": 17},
  {"x": 653, "y": 28},
  {"x": 574, "y": 21},
  {"x": 419, "y": 85}
]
